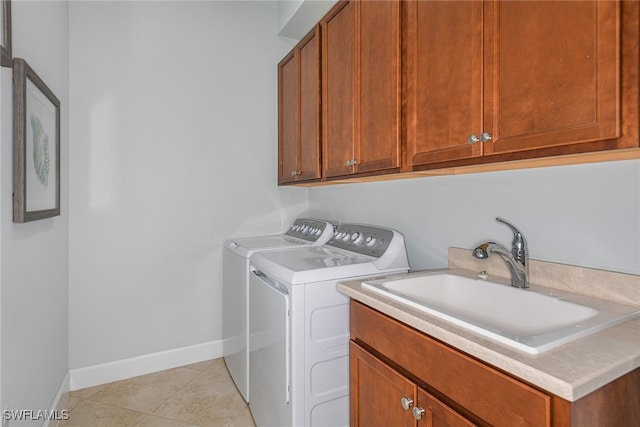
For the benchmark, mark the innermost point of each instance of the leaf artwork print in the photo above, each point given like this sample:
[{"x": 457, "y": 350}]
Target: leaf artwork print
[{"x": 40, "y": 150}]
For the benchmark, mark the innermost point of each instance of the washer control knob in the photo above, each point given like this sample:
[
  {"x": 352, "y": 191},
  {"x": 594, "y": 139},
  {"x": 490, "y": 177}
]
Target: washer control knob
[
  {"x": 370, "y": 241},
  {"x": 359, "y": 240}
]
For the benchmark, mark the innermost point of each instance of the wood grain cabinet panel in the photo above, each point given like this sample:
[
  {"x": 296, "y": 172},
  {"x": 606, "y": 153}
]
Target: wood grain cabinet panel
[
  {"x": 552, "y": 72},
  {"x": 379, "y": 87},
  {"x": 525, "y": 78},
  {"x": 390, "y": 86},
  {"x": 437, "y": 414},
  {"x": 288, "y": 140},
  {"x": 361, "y": 88},
  {"x": 338, "y": 76},
  {"x": 444, "y": 80},
  {"x": 299, "y": 101},
  {"x": 379, "y": 394},
  {"x": 378, "y": 390}
]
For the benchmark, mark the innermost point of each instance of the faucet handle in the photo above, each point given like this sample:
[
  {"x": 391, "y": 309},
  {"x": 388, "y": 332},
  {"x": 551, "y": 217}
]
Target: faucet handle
[{"x": 519, "y": 244}]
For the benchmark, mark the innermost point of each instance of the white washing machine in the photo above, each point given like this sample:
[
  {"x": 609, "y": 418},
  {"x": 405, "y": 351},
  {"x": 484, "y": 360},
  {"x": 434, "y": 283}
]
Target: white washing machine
[
  {"x": 299, "y": 324},
  {"x": 302, "y": 233}
]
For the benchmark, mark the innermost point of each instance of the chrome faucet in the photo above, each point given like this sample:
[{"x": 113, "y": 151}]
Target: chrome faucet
[{"x": 516, "y": 259}]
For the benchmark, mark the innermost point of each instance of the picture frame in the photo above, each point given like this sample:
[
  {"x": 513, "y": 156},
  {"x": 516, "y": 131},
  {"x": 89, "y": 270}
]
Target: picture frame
[
  {"x": 36, "y": 146},
  {"x": 5, "y": 34}
]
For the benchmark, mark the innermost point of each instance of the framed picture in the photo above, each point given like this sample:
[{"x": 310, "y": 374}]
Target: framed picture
[
  {"x": 36, "y": 146},
  {"x": 5, "y": 33}
]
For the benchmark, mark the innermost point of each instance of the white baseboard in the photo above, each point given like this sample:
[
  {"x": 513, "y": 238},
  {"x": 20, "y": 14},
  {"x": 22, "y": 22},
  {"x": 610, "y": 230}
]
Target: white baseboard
[
  {"x": 60, "y": 402},
  {"x": 146, "y": 364}
]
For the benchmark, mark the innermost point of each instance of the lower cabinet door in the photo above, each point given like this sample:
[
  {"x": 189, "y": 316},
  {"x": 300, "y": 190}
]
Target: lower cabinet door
[
  {"x": 380, "y": 396},
  {"x": 378, "y": 393},
  {"x": 433, "y": 413}
]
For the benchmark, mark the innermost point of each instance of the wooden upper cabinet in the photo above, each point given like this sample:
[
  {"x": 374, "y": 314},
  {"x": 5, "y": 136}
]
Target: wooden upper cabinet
[
  {"x": 288, "y": 141},
  {"x": 339, "y": 104},
  {"x": 551, "y": 73},
  {"x": 514, "y": 76},
  {"x": 379, "y": 86},
  {"x": 310, "y": 107},
  {"x": 361, "y": 88},
  {"x": 299, "y": 112},
  {"x": 444, "y": 80},
  {"x": 386, "y": 86}
]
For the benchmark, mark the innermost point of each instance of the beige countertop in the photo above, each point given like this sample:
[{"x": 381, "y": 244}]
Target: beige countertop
[{"x": 570, "y": 371}]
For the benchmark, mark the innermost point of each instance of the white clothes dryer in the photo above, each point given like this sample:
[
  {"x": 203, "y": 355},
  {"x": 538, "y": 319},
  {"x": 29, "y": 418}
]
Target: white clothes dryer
[
  {"x": 237, "y": 251},
  {"x": 299, "y": 324}
]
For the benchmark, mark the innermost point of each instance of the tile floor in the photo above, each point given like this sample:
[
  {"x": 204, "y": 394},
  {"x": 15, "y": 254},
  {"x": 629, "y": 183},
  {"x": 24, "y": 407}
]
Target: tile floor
[{"x": 198, "y": 395}]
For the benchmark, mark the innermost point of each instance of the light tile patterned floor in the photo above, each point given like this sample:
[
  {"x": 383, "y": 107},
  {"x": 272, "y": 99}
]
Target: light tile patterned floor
[{"x": 198, "y": 395}]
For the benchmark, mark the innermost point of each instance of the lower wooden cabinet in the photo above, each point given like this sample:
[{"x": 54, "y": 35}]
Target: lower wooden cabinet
[
  {"x": 394, "y": 367},
  {"x": 384, "y": 397}
]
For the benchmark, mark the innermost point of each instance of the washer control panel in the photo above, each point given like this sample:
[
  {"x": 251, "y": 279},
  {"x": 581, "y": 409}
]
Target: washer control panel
[
  {"x": 309, "y": 229},
  {"x": 362, "y": 239}
]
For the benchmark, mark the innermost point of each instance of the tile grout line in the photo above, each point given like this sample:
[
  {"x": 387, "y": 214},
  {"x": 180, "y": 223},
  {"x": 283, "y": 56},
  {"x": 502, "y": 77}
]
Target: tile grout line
[
  {"x": 179, "y": 390},
  {"x": 214, "y": 369},
  {"x": 110, "y": 405}
]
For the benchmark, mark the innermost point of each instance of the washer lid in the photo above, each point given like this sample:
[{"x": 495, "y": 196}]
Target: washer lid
[
  {"x": 303, "y": 232},
  {"x": 246, "y": 246},
  {"x": 315, "y": 264}
]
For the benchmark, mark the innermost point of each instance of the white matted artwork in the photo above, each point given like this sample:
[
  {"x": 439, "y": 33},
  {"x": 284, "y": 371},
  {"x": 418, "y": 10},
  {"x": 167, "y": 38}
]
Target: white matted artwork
[{"x": 36, "y": 146}]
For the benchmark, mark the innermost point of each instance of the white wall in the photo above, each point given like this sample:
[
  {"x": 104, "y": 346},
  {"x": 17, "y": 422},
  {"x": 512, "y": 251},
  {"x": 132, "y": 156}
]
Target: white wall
[
  {"x": 34, "y": 256},
  {"x": 173, "y": 149},
  {"x": 297, "y": 17},
  {"x": 587, "y": 215}
]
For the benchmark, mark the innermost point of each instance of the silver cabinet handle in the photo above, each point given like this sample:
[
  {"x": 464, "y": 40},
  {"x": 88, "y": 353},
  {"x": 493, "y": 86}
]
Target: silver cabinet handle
[
  {"x": 418, "y": 412},
  {"x": 352, "y": 162},
  {"x": 473, "y": 138},
  {"x": 406, "y": 403},
  {"x": 295, "y": 173},
  {"x": 485, "y": 137}
]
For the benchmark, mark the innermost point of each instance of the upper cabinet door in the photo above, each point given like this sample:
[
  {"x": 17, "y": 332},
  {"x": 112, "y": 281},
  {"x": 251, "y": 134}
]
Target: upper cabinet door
[
  {"x": 288, "y": 132},
  {"x": 299, "y": 112},
  {"x": 339, "y": 103},
  {"x": 551, "y": 73},
  {"x": 379, "y": 86},
  {"x": 362, "y": 87},
  {"x": 310, "y": 107},
  {"x": 444, "y": 80}
]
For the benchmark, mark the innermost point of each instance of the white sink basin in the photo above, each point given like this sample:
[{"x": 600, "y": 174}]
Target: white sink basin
[{"x": 524, "y": 319}]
